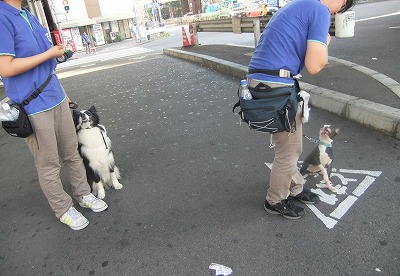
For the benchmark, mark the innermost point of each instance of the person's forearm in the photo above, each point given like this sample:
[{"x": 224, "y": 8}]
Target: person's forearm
[{"x": 16, "y": 66}]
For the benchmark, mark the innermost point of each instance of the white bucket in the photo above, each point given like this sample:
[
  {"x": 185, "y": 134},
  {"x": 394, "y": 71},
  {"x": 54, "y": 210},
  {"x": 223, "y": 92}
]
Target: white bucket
[{"x": 344, "y": 24}]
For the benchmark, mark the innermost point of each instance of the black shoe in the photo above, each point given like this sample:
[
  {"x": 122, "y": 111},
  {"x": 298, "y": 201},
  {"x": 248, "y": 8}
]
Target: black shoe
[
  {"x": 306, "y": 196},
  {"x": 286, "y": 208}
]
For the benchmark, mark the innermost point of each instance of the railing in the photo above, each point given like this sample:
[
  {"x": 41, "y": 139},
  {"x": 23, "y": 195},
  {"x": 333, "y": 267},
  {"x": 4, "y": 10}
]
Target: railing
[{"x": 239, "y": 25}]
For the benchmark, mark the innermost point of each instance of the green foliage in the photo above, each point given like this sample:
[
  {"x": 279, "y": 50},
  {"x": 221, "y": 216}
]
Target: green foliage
[{"x": 119, "y": 37}]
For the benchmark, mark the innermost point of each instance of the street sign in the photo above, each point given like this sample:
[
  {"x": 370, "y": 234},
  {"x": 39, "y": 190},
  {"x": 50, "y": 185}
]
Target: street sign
[{"x": 66, "y": 5}]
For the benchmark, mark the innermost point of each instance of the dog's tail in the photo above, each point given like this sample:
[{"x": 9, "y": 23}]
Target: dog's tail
[
  {"x": 304, "y": 167},
  {"x": 304, "y": 105}
]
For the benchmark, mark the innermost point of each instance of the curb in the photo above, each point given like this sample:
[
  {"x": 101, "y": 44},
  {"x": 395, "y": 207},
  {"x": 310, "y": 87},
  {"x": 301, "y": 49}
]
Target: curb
[{"x": 377, "y": 116}]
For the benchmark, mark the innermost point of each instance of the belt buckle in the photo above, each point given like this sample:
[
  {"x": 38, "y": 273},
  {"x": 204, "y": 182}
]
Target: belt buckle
[{"x": 284, "y": 73}]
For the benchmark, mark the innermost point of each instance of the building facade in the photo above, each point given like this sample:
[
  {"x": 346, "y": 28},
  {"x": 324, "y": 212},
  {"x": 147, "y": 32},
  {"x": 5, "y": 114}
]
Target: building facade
[{"x": 102, "y": 20}]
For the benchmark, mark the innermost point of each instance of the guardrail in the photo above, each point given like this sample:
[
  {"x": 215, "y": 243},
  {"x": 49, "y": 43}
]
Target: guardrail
[
  {"x": 159, "y": 30},
  {"x": 239, "y": 25}
]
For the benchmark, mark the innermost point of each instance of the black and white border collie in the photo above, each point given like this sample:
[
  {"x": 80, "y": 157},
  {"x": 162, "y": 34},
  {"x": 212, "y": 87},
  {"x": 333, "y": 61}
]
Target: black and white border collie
[{"x": 95, "y": 149}]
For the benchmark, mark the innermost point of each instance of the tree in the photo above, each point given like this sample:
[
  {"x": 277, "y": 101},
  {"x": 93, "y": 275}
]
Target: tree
[{"x": 175, "y": 8}]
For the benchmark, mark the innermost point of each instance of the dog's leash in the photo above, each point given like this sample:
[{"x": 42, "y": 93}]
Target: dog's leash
[
  {"x": 319, "y": 142},
  {"x": 102, "y": 135}
]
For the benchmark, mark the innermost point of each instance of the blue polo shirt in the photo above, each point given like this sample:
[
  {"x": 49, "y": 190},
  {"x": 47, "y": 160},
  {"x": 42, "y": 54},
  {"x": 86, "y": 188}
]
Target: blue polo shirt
[
  {"x": 283, "y": 43},
  {"x": 22, "y": 35}
]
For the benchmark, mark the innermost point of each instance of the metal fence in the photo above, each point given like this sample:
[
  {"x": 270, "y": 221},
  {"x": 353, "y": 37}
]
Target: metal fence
[{"x": 239, "y": 25}]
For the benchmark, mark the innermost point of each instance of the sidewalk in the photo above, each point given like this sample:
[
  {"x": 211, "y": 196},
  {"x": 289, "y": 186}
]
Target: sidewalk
[
  {"x": 345, "y": 89},
  {"x": 99, "y": 49},
  {"x": 109, "y": 47}
]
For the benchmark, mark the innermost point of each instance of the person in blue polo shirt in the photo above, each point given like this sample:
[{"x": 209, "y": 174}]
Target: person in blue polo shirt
[
  {"x": 297, "y": 36},
  {"x": 86, "y": 42},
  {"x": 27, "y": 59}
]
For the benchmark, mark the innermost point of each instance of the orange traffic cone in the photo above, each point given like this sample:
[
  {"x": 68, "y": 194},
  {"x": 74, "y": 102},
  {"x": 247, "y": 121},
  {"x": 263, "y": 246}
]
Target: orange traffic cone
[
  {"x": 185, "y": 39},
  {"x": 191, "y": 35}
]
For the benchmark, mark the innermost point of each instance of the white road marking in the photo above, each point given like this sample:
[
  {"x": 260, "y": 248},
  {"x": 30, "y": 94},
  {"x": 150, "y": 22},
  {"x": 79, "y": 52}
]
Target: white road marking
[
  {"x": 376, "y": 17},
  {"x": 343, "y": 207},
  {"x": 390, "y": 83},
  {"x": 363, "y": 186},
  {"x": 329, "y": 222},
  {"x": 81, "y": 71},
  {"x": 93, "y": 58},
  {"x": 371, "y": 173},
  {"x": 340, "y": 196}
]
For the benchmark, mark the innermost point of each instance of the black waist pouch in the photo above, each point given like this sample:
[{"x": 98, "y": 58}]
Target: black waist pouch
[
  {"x": 21, "y": 127},
  {"x": 270, "y": 111}
]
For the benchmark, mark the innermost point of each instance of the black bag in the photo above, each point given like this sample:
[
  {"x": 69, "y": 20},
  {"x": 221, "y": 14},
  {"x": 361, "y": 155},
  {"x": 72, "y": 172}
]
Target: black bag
[
  {"x": 270, "y": 111},
  {"x": 21, "y": 127}
]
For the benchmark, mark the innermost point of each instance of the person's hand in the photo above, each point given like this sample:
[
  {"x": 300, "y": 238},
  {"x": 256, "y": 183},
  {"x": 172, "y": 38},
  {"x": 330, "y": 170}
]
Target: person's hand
[
  {"x": 72, "y": 105},
  {"x": 56, "y": 51}
]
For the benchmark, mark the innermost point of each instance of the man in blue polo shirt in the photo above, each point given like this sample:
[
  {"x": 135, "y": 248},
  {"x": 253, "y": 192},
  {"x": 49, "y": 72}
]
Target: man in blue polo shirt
[
  {"x": 297, "y": 36},
  {"x": 27, "y": 59}
]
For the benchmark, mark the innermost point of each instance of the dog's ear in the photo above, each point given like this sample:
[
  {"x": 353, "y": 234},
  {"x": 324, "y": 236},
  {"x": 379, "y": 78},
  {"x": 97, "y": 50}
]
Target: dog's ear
[
  {"x": 75, "y": 114},
  {"x": 334, "y": 133},
  {"x": 75, "y": 117},
  {"x": 92, "y": 109}
]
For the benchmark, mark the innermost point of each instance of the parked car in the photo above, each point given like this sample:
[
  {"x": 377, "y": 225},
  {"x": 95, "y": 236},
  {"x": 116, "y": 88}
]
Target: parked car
[
  {"x": 67, "y": 54},
  {"x": 238, "y": 10},
  {"x": 262, "y": 8}
]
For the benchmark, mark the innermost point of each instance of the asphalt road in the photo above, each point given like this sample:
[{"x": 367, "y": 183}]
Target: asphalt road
[
  {"x": 194, "y": 185},
  {"x": 195, "y": 181}
]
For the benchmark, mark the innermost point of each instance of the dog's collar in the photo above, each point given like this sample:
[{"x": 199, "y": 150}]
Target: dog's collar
[{"x": 319, "y": 142}]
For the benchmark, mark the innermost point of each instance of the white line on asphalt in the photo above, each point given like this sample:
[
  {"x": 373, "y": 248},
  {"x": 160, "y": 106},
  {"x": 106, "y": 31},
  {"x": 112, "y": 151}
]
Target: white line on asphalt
[
  {"x": 329, "y": 222},
  {"x": 363, "y": 186},
  {"x": 376, "y": 17},
  {"x": 372, "y": 173},
  {"x": 390, "y": 83},
  {"x": 331, "y": 199},
  {"x": 73, "y": 73},
  {"x": 104, "y": 56},
  {"x": 343, "y": 207}
]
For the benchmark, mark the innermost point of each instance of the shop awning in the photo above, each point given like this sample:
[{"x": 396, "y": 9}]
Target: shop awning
[
  {"x": 94, "y": 20},
  {"x": 77, "y": 23},
  {"x": 113, "y": 17}
]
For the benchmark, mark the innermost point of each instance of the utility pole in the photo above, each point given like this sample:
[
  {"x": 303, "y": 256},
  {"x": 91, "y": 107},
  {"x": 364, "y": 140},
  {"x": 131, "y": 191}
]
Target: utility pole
[
  {"x": 41, "y": 14},
  {"x": 136, "y": 21},
  {"x": 159, "y": 10}
]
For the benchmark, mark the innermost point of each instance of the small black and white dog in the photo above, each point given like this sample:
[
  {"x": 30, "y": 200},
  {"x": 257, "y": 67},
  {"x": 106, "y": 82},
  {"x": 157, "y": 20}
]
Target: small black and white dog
[
  {"x": 320, "y": 160},
  {"x": 95, "y": 149}
]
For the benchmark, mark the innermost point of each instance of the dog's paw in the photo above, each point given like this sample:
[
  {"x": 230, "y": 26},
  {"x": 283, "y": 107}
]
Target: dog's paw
[
  {"x": 117, "y": 186},
  {"x": 329, "y": 186},
  {"x": 101, "y": 195}
]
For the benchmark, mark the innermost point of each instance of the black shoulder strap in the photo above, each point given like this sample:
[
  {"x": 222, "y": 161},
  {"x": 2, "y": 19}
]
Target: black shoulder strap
[
  {"x": 37, "y": 91},
  {"x": 236, "y": 105}
]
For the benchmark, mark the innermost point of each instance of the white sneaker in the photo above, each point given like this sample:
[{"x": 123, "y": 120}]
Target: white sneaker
[
  {"x": 92, "y": 202},
  {"x": 74, "y": 219}
]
